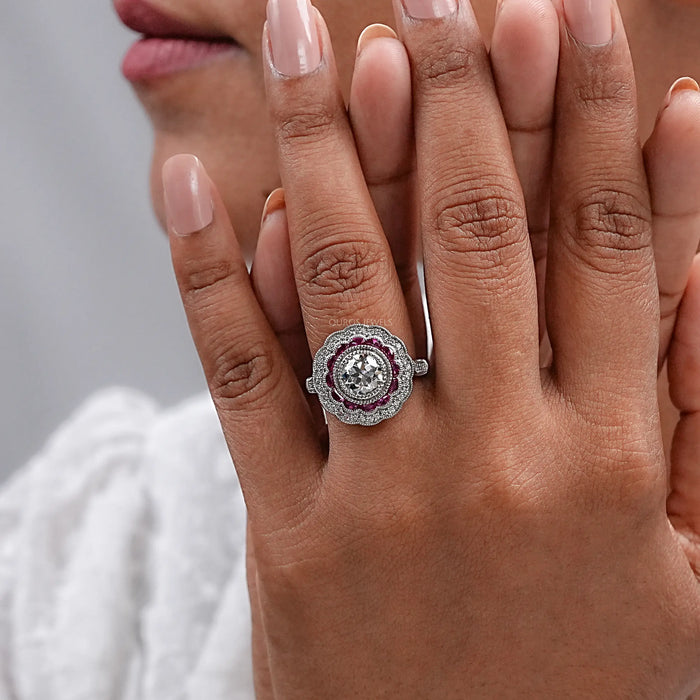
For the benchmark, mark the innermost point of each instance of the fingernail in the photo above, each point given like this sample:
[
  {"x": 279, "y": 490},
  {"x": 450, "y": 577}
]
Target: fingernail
[
  {"x": 590, "y": 21},
  {"x": 429, "y": 9},
  {"x": 680, "y": 85},
  {"x": 499, "y": 7},
  {"x": 188, "y": 203},
  {"x": 275, "y": 202},
  {"x": 293, "y": 36},
  {"x": 374, "y": 31}
]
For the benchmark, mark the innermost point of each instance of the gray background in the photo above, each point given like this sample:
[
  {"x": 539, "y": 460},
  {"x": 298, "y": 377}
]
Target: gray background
[{"x": 87, "y": 295}]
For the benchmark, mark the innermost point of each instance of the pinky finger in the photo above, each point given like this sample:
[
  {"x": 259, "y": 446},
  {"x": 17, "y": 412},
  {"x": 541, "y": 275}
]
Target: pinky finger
[{"x": 263, "y": 413}]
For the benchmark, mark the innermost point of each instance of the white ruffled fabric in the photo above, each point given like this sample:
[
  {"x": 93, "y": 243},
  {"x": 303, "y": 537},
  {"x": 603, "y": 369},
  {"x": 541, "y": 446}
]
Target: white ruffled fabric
[{"x": 122, "y": 560}]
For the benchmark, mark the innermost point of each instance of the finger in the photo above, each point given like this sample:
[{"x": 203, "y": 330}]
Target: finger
[
  {"x": 382, "y": 122},
  {"x": 264, "y": 416},
  {"x": 478, "y": 263},
  {"x": 601, "y": 287},
  {"x": 671, "y": 155},
  {"x": 272, "y": 276},
  {"x": 524, "y": 58},
  {"x": 684, "y": 377},
  {"x": 341, "y": 257}
]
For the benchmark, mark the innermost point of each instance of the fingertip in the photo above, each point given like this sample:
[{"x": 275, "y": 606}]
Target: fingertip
[
  {"x": 274, "y": 202},
  {"x": 672, "y": 152},
  {"x": 381, "y": 104},
  {"x": 187, "y": 192},
  {"x": 374, "y": 31},
  {"x": 524, "y": 54},
  {"x": 679, "y": 87},
  {"x": 272, "y": 273}
]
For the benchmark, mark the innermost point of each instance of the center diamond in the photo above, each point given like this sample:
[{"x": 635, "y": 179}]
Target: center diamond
[{"x": 363, "y": 374}]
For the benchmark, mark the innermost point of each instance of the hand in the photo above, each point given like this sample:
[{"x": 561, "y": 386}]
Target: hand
[
  {"x": 539, "y": 554},
  {"x": 524, "y": 58}
]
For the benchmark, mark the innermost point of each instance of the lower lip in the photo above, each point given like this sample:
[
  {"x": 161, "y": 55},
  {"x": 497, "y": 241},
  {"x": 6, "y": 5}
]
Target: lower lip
[{"x": 155, "y": 57}]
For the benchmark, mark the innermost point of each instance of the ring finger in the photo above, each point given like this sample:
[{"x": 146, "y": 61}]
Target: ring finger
[{"x": 341, "y": 257}]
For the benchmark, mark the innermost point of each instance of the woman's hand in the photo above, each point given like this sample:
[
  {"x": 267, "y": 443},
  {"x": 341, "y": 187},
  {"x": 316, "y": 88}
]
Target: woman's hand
[
  {"x": 524, "y": 57},
  {"x": 506, "y": 532}
]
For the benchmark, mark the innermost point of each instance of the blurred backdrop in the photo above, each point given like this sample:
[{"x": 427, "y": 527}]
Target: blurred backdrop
[{"x": 87, "y": 296}]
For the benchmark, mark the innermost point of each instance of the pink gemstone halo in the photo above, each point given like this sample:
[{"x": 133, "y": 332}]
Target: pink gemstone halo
[{"x": 363, "y": 374}]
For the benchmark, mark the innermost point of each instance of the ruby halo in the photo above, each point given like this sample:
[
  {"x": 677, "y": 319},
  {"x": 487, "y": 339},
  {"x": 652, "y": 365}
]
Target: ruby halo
[{"x": 362, "y": 374}]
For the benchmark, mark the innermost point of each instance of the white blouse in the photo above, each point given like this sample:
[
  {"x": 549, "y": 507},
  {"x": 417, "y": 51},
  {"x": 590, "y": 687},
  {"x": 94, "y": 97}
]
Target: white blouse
[{"x": 122, "y": 560}]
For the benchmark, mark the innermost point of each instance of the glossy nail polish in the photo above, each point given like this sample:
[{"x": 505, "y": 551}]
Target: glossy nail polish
[
  {"x": 430, "y": 9},
  {"x": 590, "y": 21},
  {"x": 293, "y": 36},
  {"x": 188, "y": 202}
]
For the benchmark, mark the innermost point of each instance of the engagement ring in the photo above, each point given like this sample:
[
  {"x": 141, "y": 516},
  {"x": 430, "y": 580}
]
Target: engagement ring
[{"x": 363, "y": 374}]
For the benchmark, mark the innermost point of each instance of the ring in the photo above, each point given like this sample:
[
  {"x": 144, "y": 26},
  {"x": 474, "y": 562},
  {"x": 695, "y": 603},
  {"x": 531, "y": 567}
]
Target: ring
[{"x": 363, "y": 374}]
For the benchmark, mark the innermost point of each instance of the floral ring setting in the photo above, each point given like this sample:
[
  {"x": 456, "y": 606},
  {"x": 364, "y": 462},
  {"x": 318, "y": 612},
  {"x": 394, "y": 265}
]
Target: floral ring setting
[{"x": 363, "y": 374}]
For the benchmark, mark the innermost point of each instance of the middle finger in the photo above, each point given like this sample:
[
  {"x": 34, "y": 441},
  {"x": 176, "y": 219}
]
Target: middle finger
[{"x": 480, "y": 277}]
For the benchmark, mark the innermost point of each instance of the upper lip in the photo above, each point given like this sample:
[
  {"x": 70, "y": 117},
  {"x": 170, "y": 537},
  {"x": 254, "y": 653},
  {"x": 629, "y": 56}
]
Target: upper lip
[{"x": 142, "y": 17}]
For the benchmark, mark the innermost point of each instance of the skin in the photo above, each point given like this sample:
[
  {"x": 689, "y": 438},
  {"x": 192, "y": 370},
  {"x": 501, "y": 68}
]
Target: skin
[
  {"x": 615, "y": 481},
  {"x": 662, "y": 35}
]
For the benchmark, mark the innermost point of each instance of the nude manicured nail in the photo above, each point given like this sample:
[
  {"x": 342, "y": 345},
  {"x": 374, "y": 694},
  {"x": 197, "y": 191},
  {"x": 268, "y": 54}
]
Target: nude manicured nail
[
  {"x": 274, "y": 203},
  {"x": 188, "y": 202},
  {"x": 428, "y": 9},
  {"x": 590, "y": 21},
  {"x": 293, "y": 36},
  {"x": 680, "y": 85},
  {"x": 374, "y": 31}
]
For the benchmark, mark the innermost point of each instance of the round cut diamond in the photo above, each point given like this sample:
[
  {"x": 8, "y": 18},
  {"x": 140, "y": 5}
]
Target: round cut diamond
[{"x": 362, "y": 374}]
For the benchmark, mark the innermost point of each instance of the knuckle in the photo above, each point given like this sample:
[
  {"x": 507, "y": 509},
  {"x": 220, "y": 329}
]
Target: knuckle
[
  {"x": 308, "y": 125},
  {"x": 200, "y": 282},
  {"x": 343, "y": 268},
  {"x": 616, "y": 227},
  {"x": 624, "y": 472},
  {"x": 600, "y": 94},
  {"x": 242, "y": 376},
  {"x": 447, "y": 68},
  {"x": 485, "y": 222},
  {"x": 631, "y": 482}
]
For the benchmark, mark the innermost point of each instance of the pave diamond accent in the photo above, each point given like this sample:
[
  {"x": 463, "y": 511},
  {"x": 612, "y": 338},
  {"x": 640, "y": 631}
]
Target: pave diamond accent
[{"x": 421, "y": 368}]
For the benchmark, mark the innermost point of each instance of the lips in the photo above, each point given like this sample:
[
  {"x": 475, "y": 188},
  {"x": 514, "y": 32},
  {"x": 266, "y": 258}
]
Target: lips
[{"x": 168, "y": 45}]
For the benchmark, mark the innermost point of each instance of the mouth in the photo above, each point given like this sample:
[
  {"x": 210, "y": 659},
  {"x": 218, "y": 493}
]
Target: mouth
[{"x": 168, "y": 45}]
